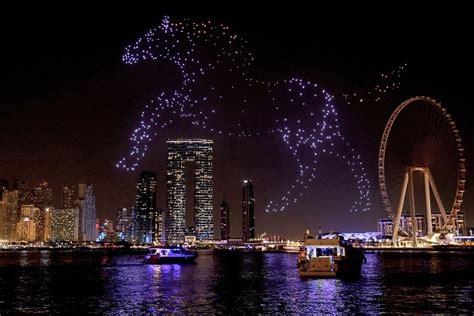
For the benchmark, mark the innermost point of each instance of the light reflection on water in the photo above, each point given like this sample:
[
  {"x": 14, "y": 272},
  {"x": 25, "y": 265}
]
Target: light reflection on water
[{"x": 249, "y": 283}]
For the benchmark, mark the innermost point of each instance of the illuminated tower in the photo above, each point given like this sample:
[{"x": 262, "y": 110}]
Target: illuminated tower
[
  {"x": 9, "y": 214},
  {"x": 124, "y": 224},
  {"x": 248, "y": 212},
  {"x": 43, "y": 196},
  {"x": 225, "y": 220},
  {"x": 65, "y": 224},
  {"x": 86, "y": 203},
  {"x": 68, "y": 196},
  {"x": 26, "y": 227},
  {"x": 189, "y": 192},
  {"x": 145, "y": 208}
]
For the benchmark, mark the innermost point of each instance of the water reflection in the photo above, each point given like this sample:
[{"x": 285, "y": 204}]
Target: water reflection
[{"x": 229, "y": 283}]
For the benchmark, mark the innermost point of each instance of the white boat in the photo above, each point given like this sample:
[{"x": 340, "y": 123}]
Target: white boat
[
  {"x": 169, "y": 255},
  {"x": 291, "y": 247},
  {"x": 329, "y": 258}
]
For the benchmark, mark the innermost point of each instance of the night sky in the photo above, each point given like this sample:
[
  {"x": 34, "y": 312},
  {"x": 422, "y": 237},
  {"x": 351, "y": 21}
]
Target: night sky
[{"x": 68, "y": 104}]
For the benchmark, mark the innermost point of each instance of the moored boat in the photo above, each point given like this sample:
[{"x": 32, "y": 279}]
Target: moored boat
[
  {"x": 329, "y": 258},
  {"x": 169, "y": 255}
]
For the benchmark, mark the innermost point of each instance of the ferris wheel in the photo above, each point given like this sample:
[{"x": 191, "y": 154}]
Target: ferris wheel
[{"x": 421, "y": 148}]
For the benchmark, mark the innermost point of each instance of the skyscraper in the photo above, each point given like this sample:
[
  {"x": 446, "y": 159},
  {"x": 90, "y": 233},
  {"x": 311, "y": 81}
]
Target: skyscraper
[
  {"x": 189, "y": 181},
  {"x": 48, "y": 217},
  {"x": 26, "y": 195},
  {"x": 43, "y": 195},
  {"x": 248, "y": 212},
  {"x": 145, "y": 208},
  {"x": 42, "y": 200},
  {"x": 225, "y": 220},
  {"x": 65, "y": 224},
  {"x": 9, "y": 214},
  {"x": 124, "y": 226},
  {"x": 86, "y": 203},
  {"x": 68, "y": 196},
  {"x": 26, "y": 226}
]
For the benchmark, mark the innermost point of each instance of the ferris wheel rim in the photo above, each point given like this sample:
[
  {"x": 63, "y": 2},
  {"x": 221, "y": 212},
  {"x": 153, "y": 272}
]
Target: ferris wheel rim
[{"x": 461, "y": 169}]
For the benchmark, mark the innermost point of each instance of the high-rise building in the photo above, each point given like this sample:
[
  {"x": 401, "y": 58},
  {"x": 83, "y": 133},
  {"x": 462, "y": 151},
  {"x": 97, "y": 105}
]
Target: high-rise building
[
  {"x": 145, "y": 208},
  {"x": 225, "y": 220},
  {"x": 43, "y": 195},
  {"x": 159, "y": 225},
  {"x": 9, "y": 214},
  {"x": 65, "y": 224},
  {"x": 48, "y": 217},
  {"x": 69, "y": 195},
  {"x": 125, "y": 224},
  {"x": 248, "y": 212},
  {"x": 42, "y": 200},
  {"x": 386, "y": 225},
  {"x": 86, "y": 203},
  {"x": 26, "y": 227},
  {"x": 26, "y": 195},
  {"x": 189, "y": 189}
]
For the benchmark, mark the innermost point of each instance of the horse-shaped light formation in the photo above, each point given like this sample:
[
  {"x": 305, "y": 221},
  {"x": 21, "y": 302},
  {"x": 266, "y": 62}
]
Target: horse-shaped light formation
[{"x": 217, "y": 93}]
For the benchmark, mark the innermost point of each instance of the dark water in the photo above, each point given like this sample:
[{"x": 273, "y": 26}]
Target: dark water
[{"x": 54, "y": 282}]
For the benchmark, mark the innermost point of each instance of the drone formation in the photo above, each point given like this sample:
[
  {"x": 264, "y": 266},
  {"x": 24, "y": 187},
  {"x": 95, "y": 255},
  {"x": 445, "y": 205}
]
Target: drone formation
[{"x": 217, "y": 93}]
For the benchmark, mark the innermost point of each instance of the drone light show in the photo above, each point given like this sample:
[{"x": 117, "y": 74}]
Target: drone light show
[{"x": 219, "y": 93}]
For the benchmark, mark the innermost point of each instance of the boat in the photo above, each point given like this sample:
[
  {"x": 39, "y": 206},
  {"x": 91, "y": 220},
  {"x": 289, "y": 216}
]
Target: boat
[
  {"x": 329, "y": 258},
  {"x": 291, "y": 247},
  {"x": 169, "y": 255}
]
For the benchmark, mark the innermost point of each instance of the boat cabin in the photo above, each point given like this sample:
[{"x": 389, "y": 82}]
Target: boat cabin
[{"x": 323, "y": 248}]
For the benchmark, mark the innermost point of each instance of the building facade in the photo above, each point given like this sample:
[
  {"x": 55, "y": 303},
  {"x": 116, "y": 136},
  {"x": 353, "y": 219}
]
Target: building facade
[
  {"x": 88, "y": 214},
  {"x": 9, "y": 214},
  {"x": 124, "y": 224},
  {"x": 65, "y": 224},
  {"x": 248, "y": 211},
  {"x": 27, "y": 226},
  {"x": 69, "y": 196},
  {"x": 225, "y": 220},
  {"x": 145, "y": 209},
  {"x": 42, "y": 199},
  {"x": 386, "y": 225},
  {"x": 194, "y": 156}
]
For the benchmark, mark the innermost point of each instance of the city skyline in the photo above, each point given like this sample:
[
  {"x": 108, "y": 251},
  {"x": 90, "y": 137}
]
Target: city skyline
[{"x": 76, "y": 155}]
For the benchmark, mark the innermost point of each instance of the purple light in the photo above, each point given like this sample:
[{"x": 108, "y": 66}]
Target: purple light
[{"x": 311, "y": 109}]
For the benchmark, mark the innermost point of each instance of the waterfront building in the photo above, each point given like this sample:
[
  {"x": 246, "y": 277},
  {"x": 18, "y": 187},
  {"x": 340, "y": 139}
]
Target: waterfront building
[
  {"x": 189, "y": 190},
  {"x": 86, "y": 203},
  {"x": 225, "y": 220},
  {"x": 9, "y": 214},
  {"x": 48, "y": 217},
  {"x": 124, "y": 224},
  {"x": 248, "y": 211},
  {"x": 386, "y": 226},
  {"x": 69, "y": 196},
  {"x": 26, "y": 226},
  {"x": 65, "y": 224},
  {"x": 145, "y": 209}
]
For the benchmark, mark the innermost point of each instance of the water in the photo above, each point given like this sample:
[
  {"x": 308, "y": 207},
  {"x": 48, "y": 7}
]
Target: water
[{"x": 88, "y": 282}]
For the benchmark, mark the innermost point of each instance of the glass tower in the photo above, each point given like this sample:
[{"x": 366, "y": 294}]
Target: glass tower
[
  {"x": 145, "y": 208},
  {"x": 185, "y": 154},
  {"x": 225, "y": 220},
  {"x": 248, "y": 212}
]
